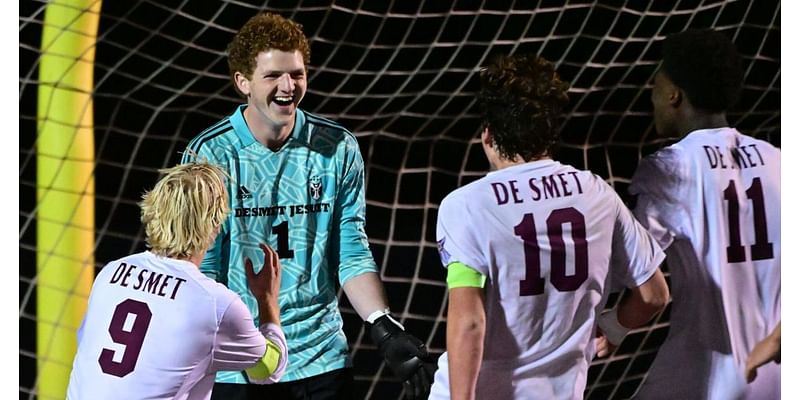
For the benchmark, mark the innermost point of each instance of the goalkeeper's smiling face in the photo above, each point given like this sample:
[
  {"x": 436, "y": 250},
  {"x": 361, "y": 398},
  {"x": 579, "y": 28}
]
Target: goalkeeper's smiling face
[{"x": 276, "y": 87}]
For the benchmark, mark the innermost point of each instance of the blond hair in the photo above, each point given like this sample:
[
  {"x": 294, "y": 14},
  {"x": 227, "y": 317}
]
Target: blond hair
[{"x": 183, "y": 212}]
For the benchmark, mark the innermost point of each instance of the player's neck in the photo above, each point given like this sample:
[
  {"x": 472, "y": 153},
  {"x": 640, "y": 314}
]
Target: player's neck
[
  {"x": 501, "y": 162},
  {"x": 270, "y": 135},
  {"x": 195, "y": 259},
  {"x": 697, "y": 121}
]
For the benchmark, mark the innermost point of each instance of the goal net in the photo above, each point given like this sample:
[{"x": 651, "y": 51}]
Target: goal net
[{"x": 402, "y": 76}]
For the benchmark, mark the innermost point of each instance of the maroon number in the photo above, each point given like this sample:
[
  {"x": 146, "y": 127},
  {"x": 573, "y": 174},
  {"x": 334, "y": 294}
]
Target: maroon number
[
  {"x": 282, "y": 230},
  {"x": 762, "y": 248},
  {"x": 735, "y": 249},
  {"x": 132, "y": 339},
  {"x": 533, "y": 284},
  {"x": 558, "y": 267}
]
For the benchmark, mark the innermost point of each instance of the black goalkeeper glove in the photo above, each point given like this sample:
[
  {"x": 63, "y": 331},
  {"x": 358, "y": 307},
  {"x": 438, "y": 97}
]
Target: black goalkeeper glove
[{"x": 404, "y": 354}]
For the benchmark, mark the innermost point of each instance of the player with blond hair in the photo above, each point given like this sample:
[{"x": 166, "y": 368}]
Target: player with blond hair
[
  {"x": 158, "y": 328},
  {"x": 533, "y": 250}
]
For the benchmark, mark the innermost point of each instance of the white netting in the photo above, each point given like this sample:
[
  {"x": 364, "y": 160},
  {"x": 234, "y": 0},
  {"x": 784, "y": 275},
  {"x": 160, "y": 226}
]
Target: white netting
[{"x": 402, "y": 76}]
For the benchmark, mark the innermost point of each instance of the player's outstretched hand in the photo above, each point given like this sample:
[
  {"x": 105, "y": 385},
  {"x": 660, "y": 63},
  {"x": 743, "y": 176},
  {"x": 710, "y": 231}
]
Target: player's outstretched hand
[
  {"x": 265, "y": 284},
  {"x": 405, "y": 355}
]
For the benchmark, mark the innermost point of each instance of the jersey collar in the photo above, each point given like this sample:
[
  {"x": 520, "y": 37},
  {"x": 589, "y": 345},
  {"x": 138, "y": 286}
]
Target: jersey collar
[
  {"x": 299, "y": 133},
  {"x": 530, "y": 165}
]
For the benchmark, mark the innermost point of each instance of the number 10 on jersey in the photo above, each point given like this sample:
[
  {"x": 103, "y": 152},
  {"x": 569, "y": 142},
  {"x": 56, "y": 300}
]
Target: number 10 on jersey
[{"x": 533, "y": 284}]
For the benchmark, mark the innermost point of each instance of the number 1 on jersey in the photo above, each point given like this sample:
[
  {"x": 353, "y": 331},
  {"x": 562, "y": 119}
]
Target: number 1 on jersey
[{"x": 282, "y": 230}]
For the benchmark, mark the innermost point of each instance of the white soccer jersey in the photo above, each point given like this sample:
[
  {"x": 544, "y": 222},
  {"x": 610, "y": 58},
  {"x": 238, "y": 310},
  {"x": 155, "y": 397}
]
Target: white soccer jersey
[
  {"x": 551, "y": 240},
  {"x": 157, "y": 328},
  {"x": 713, "y": 200}
]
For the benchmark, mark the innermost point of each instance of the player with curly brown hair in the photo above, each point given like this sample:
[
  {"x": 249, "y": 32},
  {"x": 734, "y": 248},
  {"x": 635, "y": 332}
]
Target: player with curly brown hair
[{"x": 532, "y": 251}]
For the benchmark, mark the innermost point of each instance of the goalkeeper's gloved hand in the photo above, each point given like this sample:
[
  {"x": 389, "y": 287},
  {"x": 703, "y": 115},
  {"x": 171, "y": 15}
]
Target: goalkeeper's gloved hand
[{"x": 404, "y": 354}]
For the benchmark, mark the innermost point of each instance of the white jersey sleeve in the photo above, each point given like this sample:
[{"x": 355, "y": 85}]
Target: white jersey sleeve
[
  {"x": 660, "y": 186},
  {"x": 635, "y": 254},
  {"x": 276, "y": 342},
  {"x": 457, "y": 239},
  {"x": 239, "y": 345}
]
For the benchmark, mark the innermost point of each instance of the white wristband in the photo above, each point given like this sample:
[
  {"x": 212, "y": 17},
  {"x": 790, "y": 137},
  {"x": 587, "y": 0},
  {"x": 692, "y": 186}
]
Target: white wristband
[
  {"x": 612, "y": 329},
  {"x": 379, "y": 313}
]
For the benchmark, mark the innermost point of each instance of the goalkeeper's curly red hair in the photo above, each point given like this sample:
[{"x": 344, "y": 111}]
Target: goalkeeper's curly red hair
[{"x": 261, "y": 33}]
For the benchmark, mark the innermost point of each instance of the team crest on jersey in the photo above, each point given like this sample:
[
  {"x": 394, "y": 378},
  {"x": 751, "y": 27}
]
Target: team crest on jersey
[
  {"x": 443, "y": 254},
  {"x": 315, "y": 187}
]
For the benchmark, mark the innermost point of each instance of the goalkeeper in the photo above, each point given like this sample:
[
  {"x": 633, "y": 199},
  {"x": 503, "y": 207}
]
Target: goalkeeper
[{"x": 298, "y": 185}]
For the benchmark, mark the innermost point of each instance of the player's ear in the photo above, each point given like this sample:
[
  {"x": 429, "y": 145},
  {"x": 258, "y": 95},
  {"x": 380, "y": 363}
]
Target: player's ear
[
  {"x": 675, "y": 96},
  {"x": 486, "y": 137},
  {"x": 673, "y": 93},
  {"x": 242, "y": 83}
]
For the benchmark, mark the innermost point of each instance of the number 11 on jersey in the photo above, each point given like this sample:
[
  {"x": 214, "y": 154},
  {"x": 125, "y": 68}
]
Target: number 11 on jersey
[{"x": 762, "y": 248}]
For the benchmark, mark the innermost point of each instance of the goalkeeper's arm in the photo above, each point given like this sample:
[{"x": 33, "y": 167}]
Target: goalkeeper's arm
[
  {"x": 635, "y": 310},
  {"x": 403, "y": 353}
]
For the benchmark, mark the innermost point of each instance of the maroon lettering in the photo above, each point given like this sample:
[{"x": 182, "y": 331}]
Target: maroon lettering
[
  {"x": 140, "y": 279},
  {"x": 167, "y": 278},
  {"x": 537, "y": 194},
  {"x": 757, "y": 153},
  {"x": 721, "y": 158},
  {"x": 118, "y": 273},
  {"x": 124, "y": 282},
  {"x": 177, "y": 285},
  {"x": 577, "y": 181},
  {"x": 152, "y": 282},
  {"x": 737, "y": 157},
  {"x": 564, "y": 187},
  {"x": 713, "y": 160},
  {"x": 514, "y": 191},
  {"x": 550, "y": 188},
  {"x": 500, "y": 193}
]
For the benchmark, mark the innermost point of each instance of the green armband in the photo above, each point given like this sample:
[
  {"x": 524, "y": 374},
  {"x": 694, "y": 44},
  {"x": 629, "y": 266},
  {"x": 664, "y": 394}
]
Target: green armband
[
  {"x": 267, "y": 365},
  {"x": 460, "y": 275}
]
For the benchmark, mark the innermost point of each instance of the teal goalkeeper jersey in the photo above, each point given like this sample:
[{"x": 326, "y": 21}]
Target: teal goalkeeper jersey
[{"x": 306, "y": 201}]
